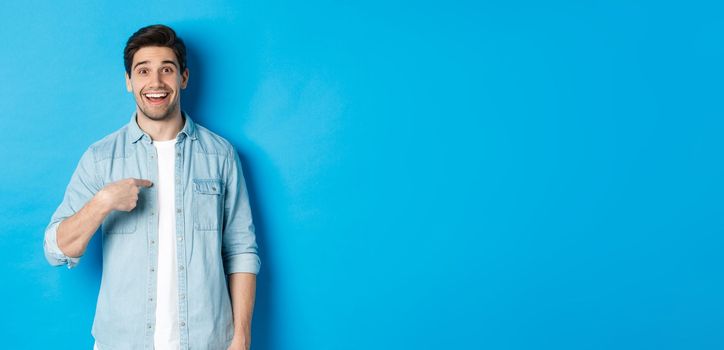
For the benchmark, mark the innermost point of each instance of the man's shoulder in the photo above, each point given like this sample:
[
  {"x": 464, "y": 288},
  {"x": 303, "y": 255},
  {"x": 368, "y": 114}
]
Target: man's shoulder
[
  {"x": 110, "y": 145},
  {"x": 212, "y": 143}
]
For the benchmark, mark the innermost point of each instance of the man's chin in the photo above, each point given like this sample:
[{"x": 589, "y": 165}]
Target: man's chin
[{"x": 156, "y": 115}]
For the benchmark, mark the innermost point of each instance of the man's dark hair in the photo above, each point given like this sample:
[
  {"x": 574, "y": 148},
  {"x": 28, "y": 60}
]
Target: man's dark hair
[{"x": 154, "y": 35}]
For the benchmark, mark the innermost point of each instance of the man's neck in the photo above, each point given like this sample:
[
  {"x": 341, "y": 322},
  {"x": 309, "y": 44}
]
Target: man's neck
[{"x": 161, "y": 130}]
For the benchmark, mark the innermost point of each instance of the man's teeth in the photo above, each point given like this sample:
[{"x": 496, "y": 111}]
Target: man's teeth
[{"x": 159, "y": 95}]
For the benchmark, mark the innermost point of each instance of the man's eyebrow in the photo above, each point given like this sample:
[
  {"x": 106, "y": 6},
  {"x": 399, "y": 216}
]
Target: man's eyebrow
[
  {"x": 164, "y": 62},
  {"x": 139, "y": 63}
]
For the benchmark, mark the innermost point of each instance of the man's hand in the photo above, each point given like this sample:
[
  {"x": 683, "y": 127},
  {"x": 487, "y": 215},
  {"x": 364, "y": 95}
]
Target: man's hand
[
  {"x": 122, "y": 194},
  {"x": 240, "y": 342}
]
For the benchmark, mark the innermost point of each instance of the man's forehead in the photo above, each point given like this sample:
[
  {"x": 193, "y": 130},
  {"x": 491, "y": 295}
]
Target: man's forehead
[{"x": 154, "y": 54}]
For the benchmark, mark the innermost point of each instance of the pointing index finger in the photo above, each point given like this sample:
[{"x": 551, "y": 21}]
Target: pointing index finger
[{"x": 143, "y": 182}]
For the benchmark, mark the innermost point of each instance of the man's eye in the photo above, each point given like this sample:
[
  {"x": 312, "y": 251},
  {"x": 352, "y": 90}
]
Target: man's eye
[
  {"x": 142, "y": 71},
  {"x": 167, "y": 70}
]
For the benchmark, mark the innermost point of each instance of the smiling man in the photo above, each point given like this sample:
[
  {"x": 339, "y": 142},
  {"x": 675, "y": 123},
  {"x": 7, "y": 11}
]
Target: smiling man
[{"x": 179, "y": 248}]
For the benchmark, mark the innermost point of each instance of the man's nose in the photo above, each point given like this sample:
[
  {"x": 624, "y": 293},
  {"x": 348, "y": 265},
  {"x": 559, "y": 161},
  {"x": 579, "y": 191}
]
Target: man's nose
[{"x": 155, "y": 78}]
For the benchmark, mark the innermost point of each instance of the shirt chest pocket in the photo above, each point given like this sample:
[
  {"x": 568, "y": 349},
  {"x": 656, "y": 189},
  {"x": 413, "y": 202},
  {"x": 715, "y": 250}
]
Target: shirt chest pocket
[{"x": 207, "y": 204}]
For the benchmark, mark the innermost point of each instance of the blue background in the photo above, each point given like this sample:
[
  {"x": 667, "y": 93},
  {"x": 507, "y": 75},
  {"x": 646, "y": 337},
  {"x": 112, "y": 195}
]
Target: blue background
[{"x": 466, "y": 175}]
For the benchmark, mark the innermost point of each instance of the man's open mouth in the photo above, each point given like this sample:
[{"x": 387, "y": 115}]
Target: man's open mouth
[{"x": 156, "y": 97}]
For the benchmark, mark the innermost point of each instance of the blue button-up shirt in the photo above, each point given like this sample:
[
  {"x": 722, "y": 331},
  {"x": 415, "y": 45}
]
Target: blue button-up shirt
[{"x": 215, "y": 236}]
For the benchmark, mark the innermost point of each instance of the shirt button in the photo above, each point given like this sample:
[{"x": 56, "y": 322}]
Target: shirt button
[
  {"x": 152, "y": 241},
  {"x": 149, "y": 326},
  {"x": 178, "y": 154},
  {"x": 213, "y": 188},
  {"x": 178, "y": 211},
  {"x": 182, "y": 296},
  {"x": 150, "y": 299},
  {"x": 182, "y": 323},
  {"x": 180, "y": 238},
  {"x": 181, "y": 267},
  {"x": 152, "y": 269}
]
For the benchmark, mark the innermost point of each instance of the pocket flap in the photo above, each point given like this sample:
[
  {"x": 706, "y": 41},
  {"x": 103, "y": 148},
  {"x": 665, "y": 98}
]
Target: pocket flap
[{"x": 208, "y": 186}]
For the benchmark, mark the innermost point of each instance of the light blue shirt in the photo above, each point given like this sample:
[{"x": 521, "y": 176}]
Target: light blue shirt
[{"x": 214, "y": 236}]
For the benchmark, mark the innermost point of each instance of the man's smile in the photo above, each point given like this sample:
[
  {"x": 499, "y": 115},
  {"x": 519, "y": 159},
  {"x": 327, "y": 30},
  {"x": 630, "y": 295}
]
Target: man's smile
[{"x": 156, "y": 97}]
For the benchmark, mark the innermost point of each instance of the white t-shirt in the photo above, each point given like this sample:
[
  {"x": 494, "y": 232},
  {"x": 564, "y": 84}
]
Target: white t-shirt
[{"x": 166, "y": 332}]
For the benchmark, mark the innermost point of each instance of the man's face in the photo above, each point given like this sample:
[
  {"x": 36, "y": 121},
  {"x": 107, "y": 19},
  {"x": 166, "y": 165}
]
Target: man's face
[{"x": 156, "y": 82}]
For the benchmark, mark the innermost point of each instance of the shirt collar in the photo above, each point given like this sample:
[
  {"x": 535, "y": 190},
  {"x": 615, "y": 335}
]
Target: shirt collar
[{"x": 135, "y": 133}]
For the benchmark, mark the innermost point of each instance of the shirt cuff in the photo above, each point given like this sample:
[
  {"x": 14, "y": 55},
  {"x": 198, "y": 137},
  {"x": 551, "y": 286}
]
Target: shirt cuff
[
  {"x": 246, "y": 262},
  {"x": 52, "y": 252}
]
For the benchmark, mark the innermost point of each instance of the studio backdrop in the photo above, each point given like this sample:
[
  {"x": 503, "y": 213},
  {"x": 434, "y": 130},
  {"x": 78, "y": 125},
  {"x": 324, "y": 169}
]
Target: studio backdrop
[{"x": 423, "y": 175}]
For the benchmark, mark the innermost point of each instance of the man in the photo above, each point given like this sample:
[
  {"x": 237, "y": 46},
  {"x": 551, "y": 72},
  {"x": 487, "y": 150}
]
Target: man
[{"x": 171, "y": 200}]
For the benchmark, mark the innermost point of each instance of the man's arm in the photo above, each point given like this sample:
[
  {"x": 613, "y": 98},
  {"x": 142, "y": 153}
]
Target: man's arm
[
  {"x": 83, "y": 186},
  {"x": 242, "y": 288},
  {"x": 75, "y": 232},
  {"x": 83, "y": 209},
  {"x": 239, "y": 251}
]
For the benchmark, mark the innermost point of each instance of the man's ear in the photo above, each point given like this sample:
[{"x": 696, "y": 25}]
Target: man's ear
[
  {"x": 185, "y": 78},
  {"x": 129, "y": 87}
]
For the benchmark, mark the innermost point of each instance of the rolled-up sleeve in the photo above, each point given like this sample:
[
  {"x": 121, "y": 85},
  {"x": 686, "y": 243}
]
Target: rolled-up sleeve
[
  {"x": 83, "y": 186},
  {"x": 239, "y": 248}
]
